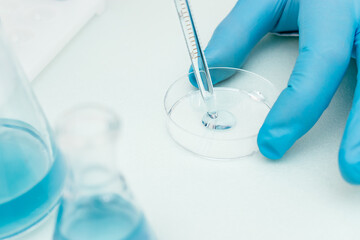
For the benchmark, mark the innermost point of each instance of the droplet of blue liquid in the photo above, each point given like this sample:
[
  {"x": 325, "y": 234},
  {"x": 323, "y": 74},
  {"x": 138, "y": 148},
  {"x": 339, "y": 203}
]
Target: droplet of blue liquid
[{"x": 219, "y": 120}]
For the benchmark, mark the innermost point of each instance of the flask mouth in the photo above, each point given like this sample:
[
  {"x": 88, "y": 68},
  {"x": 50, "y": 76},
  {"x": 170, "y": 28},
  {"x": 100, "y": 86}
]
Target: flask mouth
[
  {"x": 87, "y": 137},
  {"x": 87, "y": 125}
]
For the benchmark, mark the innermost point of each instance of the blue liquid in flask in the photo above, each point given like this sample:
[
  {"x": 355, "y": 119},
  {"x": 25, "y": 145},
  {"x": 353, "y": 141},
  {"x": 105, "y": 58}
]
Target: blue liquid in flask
[
  {"x": 31, "y": 177},
  {"x": 102, "y": 217}
]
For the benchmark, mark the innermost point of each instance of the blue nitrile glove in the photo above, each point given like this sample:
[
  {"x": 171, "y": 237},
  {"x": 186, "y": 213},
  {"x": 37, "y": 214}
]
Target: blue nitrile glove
[{"x": 328, "y": 31}]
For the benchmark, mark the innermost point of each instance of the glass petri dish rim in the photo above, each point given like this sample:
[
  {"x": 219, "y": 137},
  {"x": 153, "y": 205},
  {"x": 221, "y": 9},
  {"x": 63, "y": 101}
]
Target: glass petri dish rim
[{"x": 225, "y": 68}]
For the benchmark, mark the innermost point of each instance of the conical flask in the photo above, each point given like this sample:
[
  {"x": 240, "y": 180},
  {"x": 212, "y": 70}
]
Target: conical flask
[
  {"x": 32, "y": 172},
  {"x": 97, "y": 202}
]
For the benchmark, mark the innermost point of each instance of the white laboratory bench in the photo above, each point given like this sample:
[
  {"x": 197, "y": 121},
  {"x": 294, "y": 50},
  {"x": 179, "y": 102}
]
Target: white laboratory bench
[{"x": 126, "y": 59}]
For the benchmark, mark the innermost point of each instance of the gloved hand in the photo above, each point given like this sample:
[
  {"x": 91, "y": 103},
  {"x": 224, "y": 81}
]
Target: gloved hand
[{"x": 328, "y": 31}]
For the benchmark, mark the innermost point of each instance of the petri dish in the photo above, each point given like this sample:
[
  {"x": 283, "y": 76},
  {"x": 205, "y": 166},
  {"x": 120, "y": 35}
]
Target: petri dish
[{"x": 246, "y": 95}]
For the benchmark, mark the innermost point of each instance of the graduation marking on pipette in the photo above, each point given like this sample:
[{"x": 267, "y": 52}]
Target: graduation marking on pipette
[{"x": 213, "y": 118}]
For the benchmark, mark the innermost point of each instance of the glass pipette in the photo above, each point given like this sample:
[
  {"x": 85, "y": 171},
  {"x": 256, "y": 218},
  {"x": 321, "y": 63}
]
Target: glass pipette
[{"x": 213, "y": 118}]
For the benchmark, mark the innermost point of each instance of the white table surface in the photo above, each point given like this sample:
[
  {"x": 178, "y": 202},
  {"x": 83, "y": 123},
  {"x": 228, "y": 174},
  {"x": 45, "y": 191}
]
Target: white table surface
[{"x": 126, "y": 59}]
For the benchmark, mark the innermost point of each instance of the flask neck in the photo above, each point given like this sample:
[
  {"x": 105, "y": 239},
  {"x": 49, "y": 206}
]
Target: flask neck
[
  {"x": 92, "y": 166},
  {"x": 88, "y": 138}
]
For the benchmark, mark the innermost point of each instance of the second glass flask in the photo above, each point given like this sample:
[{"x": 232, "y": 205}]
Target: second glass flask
[{"x": 97, "y": 205}]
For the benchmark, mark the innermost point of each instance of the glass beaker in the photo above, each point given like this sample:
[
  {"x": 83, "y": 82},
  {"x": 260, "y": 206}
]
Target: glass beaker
[
  {"x": 97, "y": 204},
  {"x": 32, "y": 172}
]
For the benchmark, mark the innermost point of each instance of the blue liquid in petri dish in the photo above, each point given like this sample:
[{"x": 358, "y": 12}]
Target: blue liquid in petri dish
[
  {"x": 103, "y": 217},
  {"x": 31, "y": 177}
]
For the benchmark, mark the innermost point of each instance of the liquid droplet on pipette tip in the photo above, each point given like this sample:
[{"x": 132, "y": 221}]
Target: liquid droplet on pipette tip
[{"x": 220, "y": 120}]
